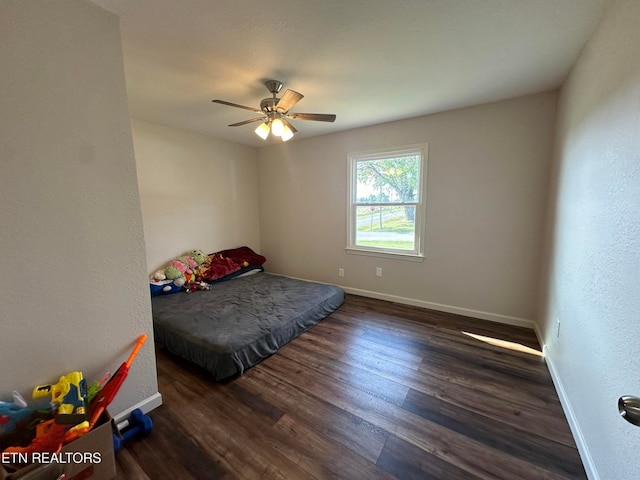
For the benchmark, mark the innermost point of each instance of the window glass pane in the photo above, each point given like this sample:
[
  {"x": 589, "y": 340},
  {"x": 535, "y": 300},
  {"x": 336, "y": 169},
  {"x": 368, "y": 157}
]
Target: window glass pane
[
  {"x": 388, "y": 180},
  {"x": 386, "y": 227}
]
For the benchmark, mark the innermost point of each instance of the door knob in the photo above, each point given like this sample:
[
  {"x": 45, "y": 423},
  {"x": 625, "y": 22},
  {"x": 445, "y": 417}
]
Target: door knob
[{"x": 629, "y": 408}]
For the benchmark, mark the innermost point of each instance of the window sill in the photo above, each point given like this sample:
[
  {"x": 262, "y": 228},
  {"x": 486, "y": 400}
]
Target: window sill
[{"x": 410, "y": 257}]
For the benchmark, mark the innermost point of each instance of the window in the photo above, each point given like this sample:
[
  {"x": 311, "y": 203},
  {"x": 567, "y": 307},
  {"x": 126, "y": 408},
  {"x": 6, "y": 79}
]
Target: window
[{"x": 386, "y": 202}]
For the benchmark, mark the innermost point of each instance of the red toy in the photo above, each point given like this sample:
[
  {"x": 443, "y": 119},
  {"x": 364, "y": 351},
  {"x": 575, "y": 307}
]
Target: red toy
[
  {"x": 111, "y": 388},
  {"x": 53, "y": 434}
]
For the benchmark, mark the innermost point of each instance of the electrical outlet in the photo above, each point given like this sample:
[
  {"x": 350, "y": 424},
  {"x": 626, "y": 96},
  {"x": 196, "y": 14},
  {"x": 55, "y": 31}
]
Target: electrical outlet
[
  {"x": 378, "y": 271},
  {"x": 341, "y": 272},
  {"x": 557, "y": 327}
]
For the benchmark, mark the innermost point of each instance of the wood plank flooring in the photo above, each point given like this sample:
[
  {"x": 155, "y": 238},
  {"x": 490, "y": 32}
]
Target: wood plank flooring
[{"x": 375, "y": 391}]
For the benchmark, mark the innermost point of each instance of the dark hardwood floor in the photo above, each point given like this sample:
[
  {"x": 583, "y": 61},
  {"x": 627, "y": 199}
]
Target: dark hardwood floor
[{"x": 375, "y": 391}]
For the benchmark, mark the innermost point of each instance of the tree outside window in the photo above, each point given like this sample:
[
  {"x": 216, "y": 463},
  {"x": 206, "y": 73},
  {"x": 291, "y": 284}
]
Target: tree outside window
[{"x": 386, "y": 208}]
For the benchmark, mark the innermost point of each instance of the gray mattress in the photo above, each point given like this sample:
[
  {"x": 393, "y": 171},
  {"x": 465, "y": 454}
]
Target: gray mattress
[{"x": 238, "y": 323}]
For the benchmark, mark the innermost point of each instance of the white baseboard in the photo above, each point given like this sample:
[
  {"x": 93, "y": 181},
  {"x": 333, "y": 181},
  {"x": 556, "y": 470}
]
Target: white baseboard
[
  {"x": 493, "y": 317},
  {"x": 587, "y": 460},
  {"x": 538, "y": 333},
  {"x": 148, "y": 404}
]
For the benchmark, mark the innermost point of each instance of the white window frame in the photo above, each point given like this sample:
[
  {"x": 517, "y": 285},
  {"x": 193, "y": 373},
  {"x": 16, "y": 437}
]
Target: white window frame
[{"x": 420, "y": 203}]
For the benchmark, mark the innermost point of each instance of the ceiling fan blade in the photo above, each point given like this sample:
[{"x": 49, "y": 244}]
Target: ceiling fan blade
[
  {"x": 259, "y": 119},
  {"x": 288, "y": 124},
  {"x": 318, "y": 117},
  {"x": 288, "y": 100},
  {"x": 251, "y": 109}
]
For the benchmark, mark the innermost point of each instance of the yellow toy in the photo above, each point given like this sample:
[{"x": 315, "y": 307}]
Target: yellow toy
[{"x": 70, "y": 397}]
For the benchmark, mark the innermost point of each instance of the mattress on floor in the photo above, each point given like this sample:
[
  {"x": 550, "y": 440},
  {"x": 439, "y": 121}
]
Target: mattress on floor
[{"x": 240, "y": 322}]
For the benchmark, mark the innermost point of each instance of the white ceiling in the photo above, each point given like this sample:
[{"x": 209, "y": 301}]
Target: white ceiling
[{"x": 367, "y": 61}]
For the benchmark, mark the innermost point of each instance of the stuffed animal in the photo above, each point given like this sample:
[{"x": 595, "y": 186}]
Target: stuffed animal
[
  {"x": 160, "y": 285},
  {"x": 165, "y": 287},
  {"x": 176, "y": 268},
  {"x": 184, "y": 265},
  {"x": 198, "y": 256},
  {"x": 178, "y": 273},
  {"x": 196, "y": 286}
]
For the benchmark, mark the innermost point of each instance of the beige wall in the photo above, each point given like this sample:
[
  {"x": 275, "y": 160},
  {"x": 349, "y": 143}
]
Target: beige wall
[
  {"x": 73, "y": 290},
  {"x": 593, "y": 285},
  {"x": 196, "y": 192},
  {"x": 486, "y": 197}
]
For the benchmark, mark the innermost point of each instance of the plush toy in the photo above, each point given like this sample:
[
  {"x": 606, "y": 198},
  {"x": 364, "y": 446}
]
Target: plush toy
[
  {"x": 165, "y": 287},
  {"x": 198, "y": 256},
  {"x": 176, "y": 268},
  {"x": 178, "y": 273},
  {"x": 184, "y": 265},
  {"x": 159, "y": 276},
  {"x": 196, "y": 286},
  {"x": 160, "y": 285}
]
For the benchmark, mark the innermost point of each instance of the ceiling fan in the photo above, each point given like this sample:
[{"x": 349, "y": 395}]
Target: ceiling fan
[{"x": 275, "y": 113}]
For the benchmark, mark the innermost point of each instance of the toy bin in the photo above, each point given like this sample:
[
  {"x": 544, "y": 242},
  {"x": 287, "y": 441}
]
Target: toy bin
[{"x": 89, "y": 457}]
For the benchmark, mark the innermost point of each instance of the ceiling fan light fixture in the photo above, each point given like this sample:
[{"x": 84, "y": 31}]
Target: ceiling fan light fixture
[
  {"x": 287, "y": 134},
  {"x": 275, "y": 113},
  {"x": 262, "y": 131},
  {"x": 277, "y": 127}
]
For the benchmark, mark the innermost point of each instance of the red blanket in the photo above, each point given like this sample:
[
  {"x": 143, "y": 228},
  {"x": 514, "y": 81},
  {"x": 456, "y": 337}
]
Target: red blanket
[
  {"x": 225, "y": 262},
  {"x": 243, "y": 255}
]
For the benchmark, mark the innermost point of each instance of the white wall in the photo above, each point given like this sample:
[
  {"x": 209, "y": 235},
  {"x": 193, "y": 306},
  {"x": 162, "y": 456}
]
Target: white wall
[
  {"x": 196, "y": 192},
  {"x": 73, "y": 290},
  {"x": 593, "y": 283},
  {"x": 488, "y": 173}
]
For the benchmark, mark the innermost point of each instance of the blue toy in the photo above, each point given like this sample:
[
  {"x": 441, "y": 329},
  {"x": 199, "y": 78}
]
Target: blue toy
[
  {"x": 13, "y": 413},
  {"x": 18, "y": 421},
  {"x": 165, "y": 287}
]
